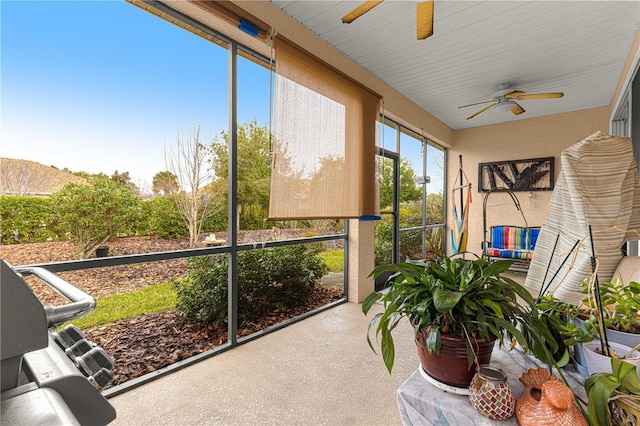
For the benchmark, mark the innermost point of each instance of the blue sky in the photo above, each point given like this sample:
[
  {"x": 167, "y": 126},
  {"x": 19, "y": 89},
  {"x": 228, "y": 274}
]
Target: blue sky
[{"x": 100, "y": 86}]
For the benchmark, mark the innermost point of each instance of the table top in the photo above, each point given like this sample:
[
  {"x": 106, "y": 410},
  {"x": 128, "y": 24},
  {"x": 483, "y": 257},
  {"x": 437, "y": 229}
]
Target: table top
[{"x": 421, "y": 403}]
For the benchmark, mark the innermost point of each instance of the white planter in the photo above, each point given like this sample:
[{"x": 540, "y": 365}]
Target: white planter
[
  {"x": 614, "y": 336},
  {"x": 597, "y": 363}
]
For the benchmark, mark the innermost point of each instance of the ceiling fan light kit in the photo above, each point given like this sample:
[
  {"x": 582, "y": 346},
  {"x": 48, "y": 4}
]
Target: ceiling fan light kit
[
  {"x": 504, "y": 100},
  {"x": 504, "y": 106}
]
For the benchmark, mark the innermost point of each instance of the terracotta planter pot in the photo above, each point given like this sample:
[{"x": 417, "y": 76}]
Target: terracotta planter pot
[{"x": 450, "y": 366}]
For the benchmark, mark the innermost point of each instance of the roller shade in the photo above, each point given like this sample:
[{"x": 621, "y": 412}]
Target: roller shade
[{"x": 324, "y": 141}]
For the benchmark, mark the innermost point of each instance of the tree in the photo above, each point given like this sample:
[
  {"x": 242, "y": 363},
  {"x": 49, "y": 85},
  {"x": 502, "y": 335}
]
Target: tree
[
  {"x": 165, "y": 183},
  {"x": 125, "y": 179},
  {"x": 254, "y": 162},
  {"x": 95, "y": 212},
  {"x": 188, "y": 162},
  {"x": 409, "y": 191}
]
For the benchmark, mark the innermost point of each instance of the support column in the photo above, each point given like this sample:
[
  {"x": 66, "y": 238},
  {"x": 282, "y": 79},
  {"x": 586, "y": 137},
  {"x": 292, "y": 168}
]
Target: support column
[{"x": 361, "y": 259}]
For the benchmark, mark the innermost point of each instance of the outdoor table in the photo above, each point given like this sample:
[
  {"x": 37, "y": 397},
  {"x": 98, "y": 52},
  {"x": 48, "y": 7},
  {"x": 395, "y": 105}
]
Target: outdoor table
[{"x": 422, "y": 403}]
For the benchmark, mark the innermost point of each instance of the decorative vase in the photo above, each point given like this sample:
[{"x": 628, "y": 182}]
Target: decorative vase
[
  {"x": 451, "y": 365},
  {"x": 546, "y": 401},
  {"x": 490, "y": 394}
]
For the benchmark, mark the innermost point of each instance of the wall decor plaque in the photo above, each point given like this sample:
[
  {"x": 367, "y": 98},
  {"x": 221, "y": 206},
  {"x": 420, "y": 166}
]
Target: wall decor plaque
[{"x": 534, "y": 174}]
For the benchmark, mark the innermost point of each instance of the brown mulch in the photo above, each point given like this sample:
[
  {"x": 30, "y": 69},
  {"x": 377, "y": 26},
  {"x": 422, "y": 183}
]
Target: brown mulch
[{"x": 145, "y": 343}]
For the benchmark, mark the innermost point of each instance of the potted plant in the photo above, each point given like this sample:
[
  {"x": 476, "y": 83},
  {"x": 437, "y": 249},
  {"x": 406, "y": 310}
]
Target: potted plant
[
  {"x": 459, "y": 307},
  {"x": 615, "y": 311},
  {"x": 614, "y": 395},
  {"x": 620, "y": 309}
]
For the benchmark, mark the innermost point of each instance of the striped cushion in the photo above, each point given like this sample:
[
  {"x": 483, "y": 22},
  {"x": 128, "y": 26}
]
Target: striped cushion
[
  {"x": 510, "y": 254},
  {"x": 511, "y": 242}
]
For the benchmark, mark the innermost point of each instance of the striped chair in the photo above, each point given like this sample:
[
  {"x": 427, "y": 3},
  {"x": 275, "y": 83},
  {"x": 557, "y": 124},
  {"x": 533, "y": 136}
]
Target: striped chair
[{"x": 512, "y": 242}]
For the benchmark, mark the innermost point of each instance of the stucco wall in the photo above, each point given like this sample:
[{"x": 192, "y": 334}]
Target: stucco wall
[{"x": 523, "y": 139}]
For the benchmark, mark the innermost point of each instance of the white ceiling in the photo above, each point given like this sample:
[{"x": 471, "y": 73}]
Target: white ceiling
[{"x": 577, "y": 47}]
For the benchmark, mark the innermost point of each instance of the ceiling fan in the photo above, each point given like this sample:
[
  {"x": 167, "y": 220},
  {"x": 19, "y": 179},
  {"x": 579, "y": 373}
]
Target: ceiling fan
[
  {"x": 424, "y": 16},
  {"x": 505, "y": 100}
]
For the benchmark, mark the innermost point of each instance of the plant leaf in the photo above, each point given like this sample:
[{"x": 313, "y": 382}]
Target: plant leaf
[
  {"x": 369, "y": 301},
  {"x": 388, "y": 349},
  {"x": 627, "y": 375},
  {"x": 371, "y": 324},
  {"x": 494, "y": 307},
  {"x": 433, "y": 341},
  {"x": 600, "y": 387},
  {"x": 445, "y": 300}
]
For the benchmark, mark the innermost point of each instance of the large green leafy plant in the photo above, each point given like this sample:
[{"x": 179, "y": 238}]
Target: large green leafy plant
[{"x": 463, "y": 297}]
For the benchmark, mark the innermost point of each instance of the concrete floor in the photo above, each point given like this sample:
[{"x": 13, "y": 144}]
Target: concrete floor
[{"x": 319, "y": 371}]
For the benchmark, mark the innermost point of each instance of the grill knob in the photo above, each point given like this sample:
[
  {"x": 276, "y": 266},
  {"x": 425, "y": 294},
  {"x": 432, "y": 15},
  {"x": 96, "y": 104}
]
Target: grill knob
[
  {"x": 101, "y": 379},
  {"x": 79, "y": 348},
  {"x": 94, "y": 360},
  {"x": 68, "y": 336}
]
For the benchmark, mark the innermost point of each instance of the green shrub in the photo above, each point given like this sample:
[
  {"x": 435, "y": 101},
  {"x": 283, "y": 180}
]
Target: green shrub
[
  {"x": 143, "y": 226},
  {"x": 410, "y": 243},
  {"x": 165, "y": 220},
  {"x": 26, "y": 220},
  {"x": 268, "y": 279},
  {"x": 383, "y": 245}
]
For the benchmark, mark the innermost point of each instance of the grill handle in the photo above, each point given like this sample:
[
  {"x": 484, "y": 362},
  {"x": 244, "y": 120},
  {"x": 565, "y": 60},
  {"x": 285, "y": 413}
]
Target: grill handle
[{"x": 82, "y": 304}]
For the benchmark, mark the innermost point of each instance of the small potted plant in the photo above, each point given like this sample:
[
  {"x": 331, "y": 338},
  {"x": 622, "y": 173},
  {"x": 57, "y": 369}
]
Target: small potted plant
[
  {"x": 459, "y": 307},
  {"x": 614, "y": 312}
]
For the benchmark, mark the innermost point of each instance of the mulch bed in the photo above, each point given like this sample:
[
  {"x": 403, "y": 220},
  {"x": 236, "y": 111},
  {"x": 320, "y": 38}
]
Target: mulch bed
[{"x": 145, "y": 343}]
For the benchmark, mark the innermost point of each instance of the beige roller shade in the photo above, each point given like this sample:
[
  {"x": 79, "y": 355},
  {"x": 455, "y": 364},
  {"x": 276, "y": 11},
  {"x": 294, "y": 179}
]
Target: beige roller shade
[{"x": 324, "y": 141}]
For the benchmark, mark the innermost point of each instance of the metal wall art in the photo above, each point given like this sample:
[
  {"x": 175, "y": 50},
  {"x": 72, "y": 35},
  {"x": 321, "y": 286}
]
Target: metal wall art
[{"x": 535, "y": 174}]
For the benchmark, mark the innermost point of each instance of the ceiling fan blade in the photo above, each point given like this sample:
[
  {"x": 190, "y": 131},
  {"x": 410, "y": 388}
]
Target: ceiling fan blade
[
  {"x": 360, "y": 10},
  {"x": 514, "y": 94},
  {"x": 534, "y": 96},
  {"x": 477, "y": 103},
  {"x": 424, "y": 19},
  {"x": 517, "y": 109},
  {"x": 481, "y": 111}
]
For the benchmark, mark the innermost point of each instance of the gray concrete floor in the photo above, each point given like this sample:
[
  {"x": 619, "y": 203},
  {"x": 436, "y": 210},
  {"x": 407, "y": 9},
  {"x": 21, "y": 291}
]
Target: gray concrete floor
[{"x": 319, "y": 371}]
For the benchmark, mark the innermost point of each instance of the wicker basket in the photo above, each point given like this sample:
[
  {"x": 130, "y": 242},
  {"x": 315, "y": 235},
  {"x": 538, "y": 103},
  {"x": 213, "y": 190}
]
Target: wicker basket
[{"x": 624, "y": 409}]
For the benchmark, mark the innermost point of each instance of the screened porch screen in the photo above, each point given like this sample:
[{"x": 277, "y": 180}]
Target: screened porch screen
[{"x": 324, "y": 132}]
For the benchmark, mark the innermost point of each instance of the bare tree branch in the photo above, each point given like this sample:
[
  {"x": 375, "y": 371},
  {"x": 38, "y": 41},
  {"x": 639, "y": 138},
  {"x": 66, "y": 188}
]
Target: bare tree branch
[{"x": 187, "y": 160}]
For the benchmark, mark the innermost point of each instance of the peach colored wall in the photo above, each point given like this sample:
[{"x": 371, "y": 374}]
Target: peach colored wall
[{"x": 523, "y": 139}]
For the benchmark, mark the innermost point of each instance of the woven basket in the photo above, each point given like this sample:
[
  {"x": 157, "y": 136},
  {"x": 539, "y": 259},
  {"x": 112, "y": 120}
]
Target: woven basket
[{"x": 624, "y": 409}]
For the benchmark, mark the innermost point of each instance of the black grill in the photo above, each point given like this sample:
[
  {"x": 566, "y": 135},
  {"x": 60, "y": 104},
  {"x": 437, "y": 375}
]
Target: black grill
[{"x": 48, "y": 376}]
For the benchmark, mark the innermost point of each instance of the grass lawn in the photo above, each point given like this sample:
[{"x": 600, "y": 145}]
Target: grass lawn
[
  {"x": 334, "y": 259},
  {"x": 109, "y": 309}
]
